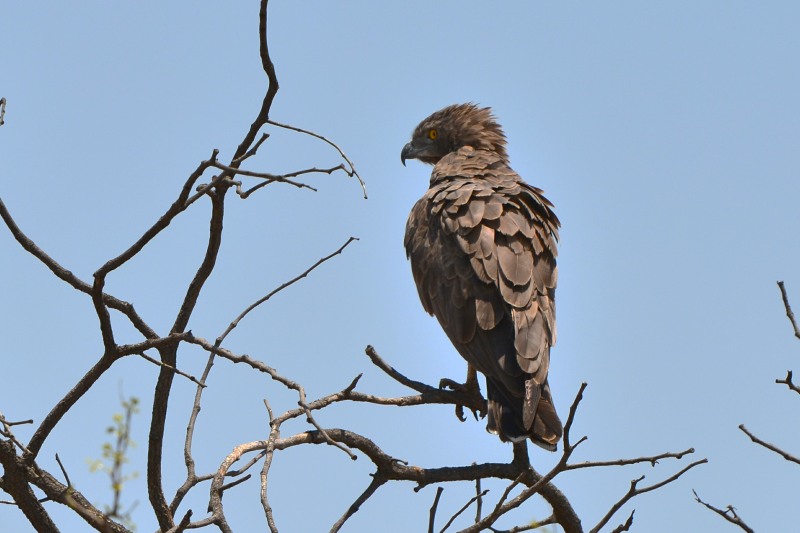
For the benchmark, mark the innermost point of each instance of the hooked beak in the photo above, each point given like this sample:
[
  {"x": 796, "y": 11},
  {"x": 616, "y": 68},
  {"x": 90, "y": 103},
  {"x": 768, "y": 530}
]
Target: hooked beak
[{"x": 409, "y": 152}]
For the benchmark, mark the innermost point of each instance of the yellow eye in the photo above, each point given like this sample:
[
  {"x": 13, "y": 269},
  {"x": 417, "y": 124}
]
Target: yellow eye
[{"x": 433, "y": 134}]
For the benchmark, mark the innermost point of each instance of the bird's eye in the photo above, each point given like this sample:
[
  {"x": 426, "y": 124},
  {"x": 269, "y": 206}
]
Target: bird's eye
[{"x": 433, "y": 134}]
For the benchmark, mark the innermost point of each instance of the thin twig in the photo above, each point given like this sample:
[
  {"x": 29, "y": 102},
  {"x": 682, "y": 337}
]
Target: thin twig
[
  {"x": 504, "y": 496},
  {"x": 184, "y": 523},
  {"x": 177, "y": 207},
  {"x": 271, "y": 178},
  {"x": 18, "y": 423},
  {"x": 573, "y": 409},
  {"x": 352, "y": 172},
  {"x": 191, "y": 476},
  {"x": 71, "y": 279},
  {"x": 475, "y": 498},
  {"x": 311, "y": 420},
  {"x": 179, "y": 372},
  {"x": 478, "y": 495},
  {"x": 634, "y": 491},
  {"x": 63, "y": 471},
  {"x": 625, "y": 526},
  {"x": 234, "y": 483},
  {"x": 268, "y": 456},
  {"x": 252, "y": 151},
  {"x": 269, "y": 412},
  {"x": 247, "y": 465},
  {"x": 653, "y": 460},
  {"x": 374, "y": 485},
  {"x": 527, "y": 527},
  {"x": 788, "y": 308},
  {"x": 788, "y": 382},
  {"x": 728, "y": 514},
  {"x": 7, "y": 433},
  {"x": 66, "y": 403},
  {"x": 275, "y": 291},
  {"x": 767, "y": 445},
  {"x": 432, "y": 513}
]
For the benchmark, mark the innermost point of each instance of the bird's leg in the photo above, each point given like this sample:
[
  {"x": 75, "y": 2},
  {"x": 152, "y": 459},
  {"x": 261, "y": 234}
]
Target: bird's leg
[
  {"x": 521, "y": 459},
  {"x": 471, "y": 387}
]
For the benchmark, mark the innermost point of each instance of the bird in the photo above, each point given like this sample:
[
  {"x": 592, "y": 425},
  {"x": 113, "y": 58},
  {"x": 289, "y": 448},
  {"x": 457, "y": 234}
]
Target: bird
[{"x": 482, "y": 244}]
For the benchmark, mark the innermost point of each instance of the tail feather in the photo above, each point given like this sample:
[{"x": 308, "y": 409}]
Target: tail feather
[{"x": 505, "y": 417}]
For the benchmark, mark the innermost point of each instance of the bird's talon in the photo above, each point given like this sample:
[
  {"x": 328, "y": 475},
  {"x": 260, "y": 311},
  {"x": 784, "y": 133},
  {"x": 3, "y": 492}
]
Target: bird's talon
[{"x": 446, "y": 383}]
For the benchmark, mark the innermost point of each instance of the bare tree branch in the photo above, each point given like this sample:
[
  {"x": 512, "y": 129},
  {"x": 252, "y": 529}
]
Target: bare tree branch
[
  {"x": 15, "y": 483},
  {"x": 252, "y": 151},
  {"x": 66, "y": 403},
  {"x": 472, "y": 500},
  {"x": 352, "y": 172},
  {"x": 788, "y": 308},
  {"x": 191, "y": 475},
  {"x": 68, "y": 277},
  {"x": 788, "y": 382},
  {"x": 728, "y": 514},
  {"x": 374, "y": 485},
  {"x": 625, "y": 526},
  {"x": 429, "y": 394},
  {"x": 634, "y": 491},
  {"x": 270, "y": 178},
  {"x": 767, "y": 445},
  {"x": 269, "y": 454},
  {"x": 479, "y": 499},
  {"x": 434, "y": 506},
  {"x": 279, "y": 289},
  {"x": 653, "y": 460},
  {"x": 6, "y": 432},
  {"x": 21, "y": 473},
  {"x": 179, "y": 372}
]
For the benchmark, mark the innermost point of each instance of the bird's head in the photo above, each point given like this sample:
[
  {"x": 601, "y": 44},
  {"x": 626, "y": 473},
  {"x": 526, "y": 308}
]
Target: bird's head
[{"x": 452, "y": 128}]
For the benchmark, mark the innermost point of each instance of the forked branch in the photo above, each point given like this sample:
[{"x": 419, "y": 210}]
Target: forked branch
[{"x": 728, "y": 514}]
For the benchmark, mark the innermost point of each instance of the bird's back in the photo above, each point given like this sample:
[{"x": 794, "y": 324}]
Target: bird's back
[{"x": 482, "y": 248}]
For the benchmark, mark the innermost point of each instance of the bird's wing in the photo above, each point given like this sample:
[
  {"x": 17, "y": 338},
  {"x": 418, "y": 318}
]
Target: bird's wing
[{"x": 482, "y": 246}]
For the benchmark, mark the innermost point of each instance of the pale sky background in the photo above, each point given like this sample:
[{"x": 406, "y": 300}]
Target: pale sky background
[{"x": 667, "y": 135}]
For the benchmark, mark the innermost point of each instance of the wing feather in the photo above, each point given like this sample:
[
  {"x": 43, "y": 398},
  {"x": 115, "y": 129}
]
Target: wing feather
[{"x": 482, "y": 246}]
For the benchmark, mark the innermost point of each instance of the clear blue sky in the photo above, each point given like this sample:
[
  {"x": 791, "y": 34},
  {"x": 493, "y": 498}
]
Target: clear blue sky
[{"x": 666, "y": 134}]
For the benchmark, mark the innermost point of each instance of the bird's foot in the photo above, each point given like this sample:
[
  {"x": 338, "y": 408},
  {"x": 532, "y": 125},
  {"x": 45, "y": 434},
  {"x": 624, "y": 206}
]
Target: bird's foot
[{"x": 471, "y": 391}]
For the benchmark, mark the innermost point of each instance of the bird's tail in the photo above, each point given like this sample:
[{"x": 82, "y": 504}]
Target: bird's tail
[{"x": 505, "y": 417}]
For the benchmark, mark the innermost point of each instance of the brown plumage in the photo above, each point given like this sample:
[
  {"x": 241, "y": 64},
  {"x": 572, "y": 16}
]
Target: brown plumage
[{"x": 482, "y": 246}]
